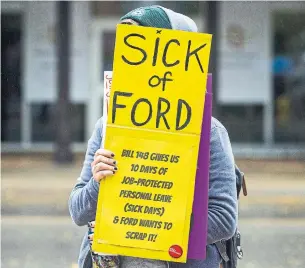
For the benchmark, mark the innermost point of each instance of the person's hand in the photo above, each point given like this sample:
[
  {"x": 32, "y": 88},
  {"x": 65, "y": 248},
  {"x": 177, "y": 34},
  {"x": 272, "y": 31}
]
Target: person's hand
[{"x": 103, "y": 164}]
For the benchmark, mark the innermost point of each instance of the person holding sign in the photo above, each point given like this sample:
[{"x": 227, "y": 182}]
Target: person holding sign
[{"x": 101, "y": 163}]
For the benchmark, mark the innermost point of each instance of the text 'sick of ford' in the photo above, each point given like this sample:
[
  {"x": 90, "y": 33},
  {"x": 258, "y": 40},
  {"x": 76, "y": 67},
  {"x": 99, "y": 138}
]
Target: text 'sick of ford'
[{"x": 156, "y": 107}]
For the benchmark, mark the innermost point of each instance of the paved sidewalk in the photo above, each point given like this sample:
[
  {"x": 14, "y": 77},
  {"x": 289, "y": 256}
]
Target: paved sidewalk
[
  {"x": 34, "y": 185},
  {"x": 54, "y": 242}
]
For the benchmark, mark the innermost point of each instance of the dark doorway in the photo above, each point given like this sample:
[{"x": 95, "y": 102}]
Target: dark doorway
[{"x": 10, "y": 77}]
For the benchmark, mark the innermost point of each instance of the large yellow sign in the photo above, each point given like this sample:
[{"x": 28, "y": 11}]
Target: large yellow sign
[{"x": 153, "y": 126}]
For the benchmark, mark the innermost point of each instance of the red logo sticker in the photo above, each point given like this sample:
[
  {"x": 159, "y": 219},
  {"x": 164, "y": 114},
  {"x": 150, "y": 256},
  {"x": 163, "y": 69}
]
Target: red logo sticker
[{"x": 175, "y": 251}]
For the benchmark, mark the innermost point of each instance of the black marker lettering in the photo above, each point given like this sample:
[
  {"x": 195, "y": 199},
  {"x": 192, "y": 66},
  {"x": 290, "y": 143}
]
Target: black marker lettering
[
  {"x": 115, "y": 105},
  {"x": 133, "y": 112},
  {"x": 162, "y": 114},
  {"x": 166, "y": 64},
  {"x": 136, "y": 48},
  {"x": 179, "y": 111},
  {"x": 156, "y": 52},
  {"x": 191, "y": 53}
]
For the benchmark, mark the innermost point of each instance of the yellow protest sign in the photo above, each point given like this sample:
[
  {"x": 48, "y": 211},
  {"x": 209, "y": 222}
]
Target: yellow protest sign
[{"x": 154, "y": 122}]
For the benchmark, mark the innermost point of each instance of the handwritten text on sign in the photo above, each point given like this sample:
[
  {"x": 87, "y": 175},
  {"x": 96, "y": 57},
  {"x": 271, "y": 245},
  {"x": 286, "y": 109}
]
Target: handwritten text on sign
[{"x": 155, "y": 115}]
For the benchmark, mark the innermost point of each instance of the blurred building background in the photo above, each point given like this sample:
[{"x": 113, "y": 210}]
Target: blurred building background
[{"x": 258, "y": 63}]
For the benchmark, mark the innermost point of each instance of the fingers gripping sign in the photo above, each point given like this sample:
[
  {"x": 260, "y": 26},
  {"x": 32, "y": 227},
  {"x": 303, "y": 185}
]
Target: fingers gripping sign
[{"x": 103, "y": 165}]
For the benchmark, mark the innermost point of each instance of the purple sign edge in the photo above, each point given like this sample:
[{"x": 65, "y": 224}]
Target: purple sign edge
[{"x": 198, "y": 234}]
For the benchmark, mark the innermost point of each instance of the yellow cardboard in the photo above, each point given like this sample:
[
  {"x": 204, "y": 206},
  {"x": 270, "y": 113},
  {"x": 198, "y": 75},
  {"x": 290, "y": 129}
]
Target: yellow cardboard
[{"x": 153, "y": 127}]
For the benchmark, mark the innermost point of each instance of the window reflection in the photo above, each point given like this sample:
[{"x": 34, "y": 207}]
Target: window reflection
[
  {"x": 289, "y": 77},
  {"x": 44, "y": 122},
  {"x": 243, "y": 122}
]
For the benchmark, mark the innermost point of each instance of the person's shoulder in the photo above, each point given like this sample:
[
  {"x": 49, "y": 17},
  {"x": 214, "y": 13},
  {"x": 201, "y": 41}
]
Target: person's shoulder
[
  {"x": 99, "y": 123},
  {"x": 219, "y": 139},
  {"x": 216, "y": 124},
  {"x": 98, "y": 128}
]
